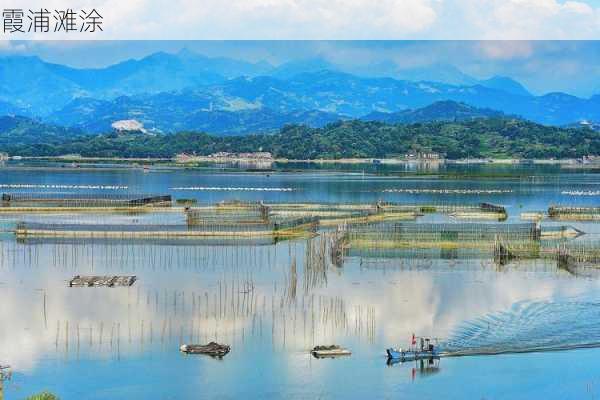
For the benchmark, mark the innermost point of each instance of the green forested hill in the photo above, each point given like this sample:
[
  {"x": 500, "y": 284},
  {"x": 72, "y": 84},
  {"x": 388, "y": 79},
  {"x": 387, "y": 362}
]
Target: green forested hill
[
  {"x": 30, "y": 136},
  {"x": 493, "y": 137}
]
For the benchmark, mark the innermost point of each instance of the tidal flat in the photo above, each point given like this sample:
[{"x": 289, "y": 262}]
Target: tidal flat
[{"x": 524, "y": 326}]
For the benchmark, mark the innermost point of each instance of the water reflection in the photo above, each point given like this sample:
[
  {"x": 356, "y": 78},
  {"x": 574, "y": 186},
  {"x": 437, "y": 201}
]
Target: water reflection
[
  {"x": 273, "y": 301},
  {"x": 242, "y": 295},
  {"x": 419, "y": 368}
]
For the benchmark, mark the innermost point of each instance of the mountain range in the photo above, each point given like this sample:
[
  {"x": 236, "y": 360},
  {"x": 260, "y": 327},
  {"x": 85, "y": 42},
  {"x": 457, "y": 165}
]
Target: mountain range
[{"x": 188, "y": 91}]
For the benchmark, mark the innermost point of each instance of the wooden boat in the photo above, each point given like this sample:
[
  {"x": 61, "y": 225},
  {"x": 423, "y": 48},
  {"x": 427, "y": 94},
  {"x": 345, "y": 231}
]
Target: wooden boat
[
  {"x": 97, "y": 281},
  {"x": 212, "y": 349},
  {"x": 330, "y": 351},
  {"x": 424, "y": 351}
]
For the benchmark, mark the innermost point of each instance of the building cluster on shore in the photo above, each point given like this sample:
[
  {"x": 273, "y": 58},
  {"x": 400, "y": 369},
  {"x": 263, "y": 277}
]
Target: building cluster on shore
[
  {"x": 590, "y": 160},
  {"x": 423, "y": 156},
  {"x": 224, "y": 156},
  {"x": 263, "y": 158}
]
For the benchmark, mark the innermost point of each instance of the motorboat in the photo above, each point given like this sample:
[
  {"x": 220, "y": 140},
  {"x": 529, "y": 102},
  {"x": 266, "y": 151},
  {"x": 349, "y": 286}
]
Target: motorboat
[{"x": 421, "y": 348}]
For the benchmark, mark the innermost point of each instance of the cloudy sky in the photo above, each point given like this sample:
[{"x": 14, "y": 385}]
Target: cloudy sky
[
  {"x": 516, "y": 38},
  {"x": 542, "y": 66},
  {"x": 336, "y": 19}
]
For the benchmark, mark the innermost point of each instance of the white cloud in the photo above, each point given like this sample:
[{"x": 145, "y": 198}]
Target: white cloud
[
  {"x": 578, "y": 7},
  {"x": 245, "y": 19},
  {"x": 530, "y": 19},
  {"x": 6, "y": 46},
  {"x": 506, "y": 50},
  {"x": 298, "y": 19}
]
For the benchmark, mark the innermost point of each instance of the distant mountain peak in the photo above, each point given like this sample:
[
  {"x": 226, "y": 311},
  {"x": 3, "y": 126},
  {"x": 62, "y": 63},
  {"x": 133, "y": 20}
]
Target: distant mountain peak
[
  {"x": 438, "y": 72},
  {"x": 445, "y": 110},
  {"x": 186, "y": 52},
  {"x": 305, "y": 65},
  {"x": 449, "y": 103},
  {"x": 505, "y": 84}
]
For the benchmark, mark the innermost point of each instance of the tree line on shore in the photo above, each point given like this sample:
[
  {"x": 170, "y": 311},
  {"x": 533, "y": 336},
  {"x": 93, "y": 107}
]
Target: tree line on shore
[{"x": 477, "y": 138}]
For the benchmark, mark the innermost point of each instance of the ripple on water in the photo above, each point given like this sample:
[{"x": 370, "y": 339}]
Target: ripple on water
[{"x": 529, "y": 327}]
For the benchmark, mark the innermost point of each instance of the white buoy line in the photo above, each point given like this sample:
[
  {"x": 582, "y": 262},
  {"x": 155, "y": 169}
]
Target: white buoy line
[
  {"x": 60, "y": 186},
  {"x": 449, "y": 191},
  {"x": 234, "y": 189},
  {"x": 581, "y": 192}
]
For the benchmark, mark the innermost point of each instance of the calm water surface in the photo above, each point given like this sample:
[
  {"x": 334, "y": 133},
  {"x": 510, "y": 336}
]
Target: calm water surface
[{"x": 84, "y": 343}]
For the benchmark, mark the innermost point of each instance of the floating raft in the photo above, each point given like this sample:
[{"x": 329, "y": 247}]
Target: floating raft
[
  {"x": 58, "y": 200},
  {"x": 445, "y": 231},
  {"x": 478, "y": 215},
  {"x": 329, "y": 351},
  {"x": 560, "y": 232},
  {"x": 212, "y": 349},
  {"x": 332, "y": 214},
  {"x": 574, "y": 213},
  {"x": 288, "y": 228},
  {"x": 572, "y": 256},
  {"x": 532, "y": 216},
  {"x": 410, "y": 252},
  {"x": 97, "y": 281},
  {"x": 258, "y": 214}
]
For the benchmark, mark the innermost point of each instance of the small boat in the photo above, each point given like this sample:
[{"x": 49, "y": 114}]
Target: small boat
[
  {"x": 425, "y": 350},
  {"x": 212, "y": 349},
  {"x": 410, "y": 355},
  {"x": 329, "y": 351}
]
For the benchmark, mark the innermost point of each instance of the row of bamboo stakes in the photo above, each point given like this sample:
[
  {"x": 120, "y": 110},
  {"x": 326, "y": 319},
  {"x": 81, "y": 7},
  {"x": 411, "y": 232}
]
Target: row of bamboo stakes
[
  {"x": 305, "y": 322},
  {"x": 290, "y": 309},
  {"x": 232, "y": 309}
]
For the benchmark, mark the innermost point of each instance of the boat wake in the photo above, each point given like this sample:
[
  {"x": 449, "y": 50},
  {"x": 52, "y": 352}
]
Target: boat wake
[{"x": 528, "y": 327}]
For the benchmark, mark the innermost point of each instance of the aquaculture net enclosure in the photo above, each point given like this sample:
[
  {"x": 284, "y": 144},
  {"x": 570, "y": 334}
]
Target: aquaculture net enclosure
[
  {"x": 445, "y": 231},
  {"x": 59, "y": 199}
]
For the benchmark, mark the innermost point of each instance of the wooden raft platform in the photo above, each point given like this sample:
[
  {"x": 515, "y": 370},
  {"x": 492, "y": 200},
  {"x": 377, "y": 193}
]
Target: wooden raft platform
[{"x": 97, "y": 281}]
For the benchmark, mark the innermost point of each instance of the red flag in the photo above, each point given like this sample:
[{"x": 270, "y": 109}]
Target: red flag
[{"x": 414, "y": 340}]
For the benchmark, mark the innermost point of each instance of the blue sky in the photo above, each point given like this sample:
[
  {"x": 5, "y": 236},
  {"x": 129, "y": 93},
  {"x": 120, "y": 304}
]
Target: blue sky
[{"x": 542, "y": 66}]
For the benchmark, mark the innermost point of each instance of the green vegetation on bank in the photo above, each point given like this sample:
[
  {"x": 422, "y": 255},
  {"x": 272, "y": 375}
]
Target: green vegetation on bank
[{"x": 489, "y": 137}]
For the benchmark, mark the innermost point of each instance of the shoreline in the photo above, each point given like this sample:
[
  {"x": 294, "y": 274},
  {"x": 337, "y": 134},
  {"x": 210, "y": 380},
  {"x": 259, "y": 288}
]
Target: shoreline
[{"x": 250, "y": 161}]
